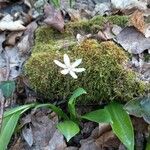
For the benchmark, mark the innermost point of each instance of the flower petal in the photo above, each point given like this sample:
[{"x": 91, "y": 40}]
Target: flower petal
[
  {"x": 58, "y": 63},
  {"x": 73, "y": 74},
  {"x": 79, "y": 69},
  {"x": 65, "y": 71},
  {"x": 76, "y": 63},
  {"x": 66, "y": 60}
]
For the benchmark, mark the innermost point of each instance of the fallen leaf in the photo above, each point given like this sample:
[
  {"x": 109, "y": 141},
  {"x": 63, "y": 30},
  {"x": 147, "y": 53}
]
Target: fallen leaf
[
  {"x": 2, "y": 39},
  {"x": 27, "y": 40},
  {"x": 54, "y": 18},
  {"x": 28, "y": 135},
  {"x": 132, "y": 40},
  {"x": 129, "y": 4},
  {"x": 137, "y": 20},
  {"x": 7, "y": 23},
  {"x": 13, "y": 37},
  {"x": 24, "y": 46},
  {"x": 106, "y": 33}
]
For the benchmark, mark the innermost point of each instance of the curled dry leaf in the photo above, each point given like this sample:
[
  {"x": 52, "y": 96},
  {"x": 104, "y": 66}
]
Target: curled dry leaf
[
  {"x": 13, "y": 37},
  {"x": 54, "y": 18},
  {"x": 106, "y": 33},
  {"x": 7, "y": 23}
]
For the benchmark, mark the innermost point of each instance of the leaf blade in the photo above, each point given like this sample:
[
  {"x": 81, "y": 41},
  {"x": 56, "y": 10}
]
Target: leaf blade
[
  {"x": 68, "y": 128},
  {"x": 121, "y": 124}
]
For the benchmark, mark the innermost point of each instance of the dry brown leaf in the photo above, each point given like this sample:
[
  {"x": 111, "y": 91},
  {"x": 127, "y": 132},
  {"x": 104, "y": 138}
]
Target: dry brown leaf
[
  {"x": 106, "y": 33},
  {"x": 137, "y": 20},
  {"x": 54, "y": 18},
  {"x": 13, "y": 37}
]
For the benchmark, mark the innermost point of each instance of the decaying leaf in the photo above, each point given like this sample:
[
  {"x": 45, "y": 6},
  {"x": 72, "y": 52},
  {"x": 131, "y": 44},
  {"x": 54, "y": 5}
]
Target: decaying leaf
[
  {"x": 7, "y": 23},
  {"x": 24, "y": 45},
  {"x": 139, "y": 108},
  {"x": 54, "y": 18},
  {"x": 13, "y": 37},
  {"x": 28, "y": 135},
  {"x": 133, "y": 40},
  {"x": 129, "y": 4},
  {"x": 2, "y": 39},
  {"x": 137, "y": 20},
  {"x": 106, "y": 33}
]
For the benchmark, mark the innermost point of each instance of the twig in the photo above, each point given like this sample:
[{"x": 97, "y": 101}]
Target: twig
[
  {"x": 2, "y": 103},
  {"x": 8, "y": 66}
]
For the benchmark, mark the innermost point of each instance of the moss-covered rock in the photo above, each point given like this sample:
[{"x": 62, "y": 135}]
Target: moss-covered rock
[
  {"x": 49, "y": 39},
  {"x": 105, "y": 77}
]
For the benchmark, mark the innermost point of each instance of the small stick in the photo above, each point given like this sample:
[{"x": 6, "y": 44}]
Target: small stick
[{"x": 2, "y": 105}]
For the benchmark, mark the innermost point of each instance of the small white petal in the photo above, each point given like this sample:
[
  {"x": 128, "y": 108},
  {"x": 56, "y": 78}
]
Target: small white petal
[
  {"x": 73, "y": 74},
  {"x": 79, "y": 69},
  {"x": 58, "y": 63},
  {"x": 66, "y": 60},
  {"x": 65, "y": 71},
  {"x": 76, "y": 63}
]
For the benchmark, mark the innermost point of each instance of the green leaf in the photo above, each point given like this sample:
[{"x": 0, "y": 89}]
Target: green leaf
[
  {"x": 119, "y": 120},
  {"x": 56, "y": 3},
  {"x": 19, "y": 108},
  {"x": 7, "y": 87},
  {"x": 72, "y": 101},
  {"x": 148, "y": 144},
  {"x": 121, "y": 124},
  {"x": 9, "y": 124},
  {"x": 68, "y": 128},
  {"x": 57, "y": 110},
  {"x": 98, "y": 116},
  {"x": 8, "y": 130}
]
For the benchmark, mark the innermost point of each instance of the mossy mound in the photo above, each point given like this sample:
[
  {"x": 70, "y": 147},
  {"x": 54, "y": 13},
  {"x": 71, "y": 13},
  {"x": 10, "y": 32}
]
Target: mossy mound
[
  {"x": 49, "y": 39},
  {"x": 104, "y": 79}
]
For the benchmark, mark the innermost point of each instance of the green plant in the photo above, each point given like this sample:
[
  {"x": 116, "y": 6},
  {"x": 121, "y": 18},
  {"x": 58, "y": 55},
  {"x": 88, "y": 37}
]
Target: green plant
[
  {"x": 119, "y": 121},
  {"x": 7, "y": 88},
  {"x": 9, "y": 123},
  {"x": 69, "y": 125},
  {"x": 57, "y": 3}
]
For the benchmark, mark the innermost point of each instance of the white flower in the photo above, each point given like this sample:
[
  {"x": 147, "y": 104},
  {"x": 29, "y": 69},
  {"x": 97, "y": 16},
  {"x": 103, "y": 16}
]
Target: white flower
[{"x": 68, "y": 67}]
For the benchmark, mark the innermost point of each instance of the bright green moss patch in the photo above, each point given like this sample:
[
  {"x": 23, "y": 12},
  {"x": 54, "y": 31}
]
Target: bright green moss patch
[{"x": 104, "y": 79}]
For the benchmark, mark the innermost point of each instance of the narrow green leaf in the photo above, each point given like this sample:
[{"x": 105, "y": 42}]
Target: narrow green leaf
[
  {"x": 72, "y": 101},
  {"x": 68, "y": 128},
  {"x": 57, "y": 110},
  {"x": 19, "y": 108},
  {"x": 8, "y": 130},
  {"x": 98, "y": 116},
  {"x": 9, "y": 123},
  {"x": 56, "y": 3},
  {"x": 7, "y": 88},
  {"x": 148, "y": 144},
  {"x": 121, "y": 124}
]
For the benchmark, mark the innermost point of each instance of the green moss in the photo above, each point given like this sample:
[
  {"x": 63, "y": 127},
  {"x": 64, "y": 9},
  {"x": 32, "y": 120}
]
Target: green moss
[
  {"x": 50, "y": 39},
  {"x": 104, "y": 79},
  {"x": 96, "y": 23}
]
